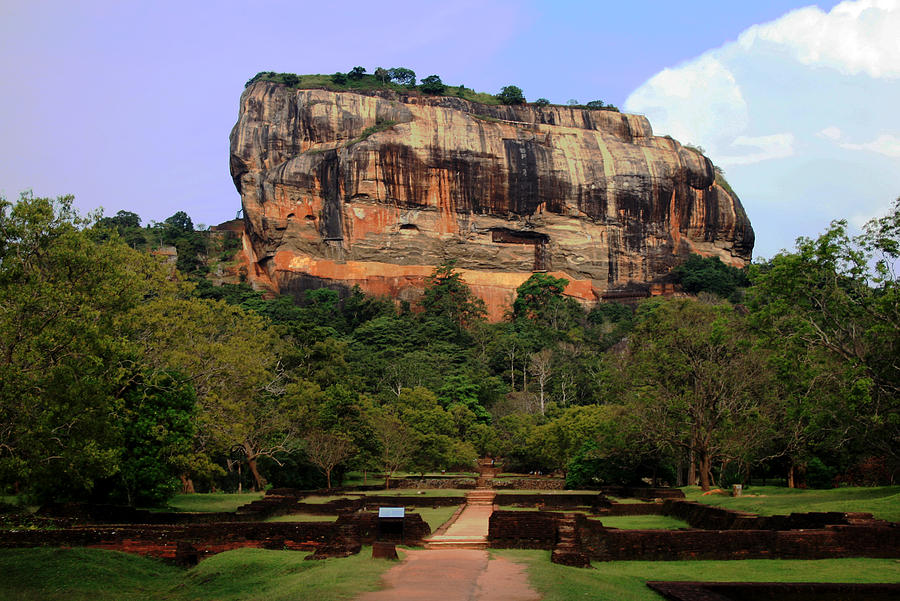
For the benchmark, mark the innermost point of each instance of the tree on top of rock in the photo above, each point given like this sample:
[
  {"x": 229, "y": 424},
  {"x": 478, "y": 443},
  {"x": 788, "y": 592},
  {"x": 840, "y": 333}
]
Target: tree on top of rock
[
  {"x": 433, "y": 85},
  {"x": 511, "y": 95}
]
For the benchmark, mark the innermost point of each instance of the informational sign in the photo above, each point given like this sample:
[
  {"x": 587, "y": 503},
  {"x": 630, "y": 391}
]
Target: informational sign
[{"x": 391, "y": 512}]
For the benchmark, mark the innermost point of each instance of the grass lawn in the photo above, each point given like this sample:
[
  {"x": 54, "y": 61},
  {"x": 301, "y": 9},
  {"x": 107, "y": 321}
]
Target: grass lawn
[
  {"x": 318, "y": 499},
  {"x": 627, "y": 500},
  {"x": 417, "y": 492},
  {"x": 435, "y": 516},
  {"x": 546, "y": 492},
  {"x": 216, "y": 501},
  {"x": 242, "y": 574},
  {"x": 642, "y": 522},
  {"x": 624, "y": 580},
  {"x": 881, "y": 501},
  {"x": 302, "y": 517}
]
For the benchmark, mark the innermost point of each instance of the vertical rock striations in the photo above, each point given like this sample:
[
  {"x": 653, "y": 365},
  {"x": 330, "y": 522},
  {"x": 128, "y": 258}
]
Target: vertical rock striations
[{"x": 343, "y": 188}]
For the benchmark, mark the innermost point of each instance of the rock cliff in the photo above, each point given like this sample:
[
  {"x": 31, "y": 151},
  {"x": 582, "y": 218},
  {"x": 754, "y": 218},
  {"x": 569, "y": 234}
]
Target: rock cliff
[{"x": 376, "y": 189}]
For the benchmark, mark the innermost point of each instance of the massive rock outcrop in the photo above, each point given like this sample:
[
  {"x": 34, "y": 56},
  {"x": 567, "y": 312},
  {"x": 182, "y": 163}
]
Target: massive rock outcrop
[{"x": 376, "y": 189}]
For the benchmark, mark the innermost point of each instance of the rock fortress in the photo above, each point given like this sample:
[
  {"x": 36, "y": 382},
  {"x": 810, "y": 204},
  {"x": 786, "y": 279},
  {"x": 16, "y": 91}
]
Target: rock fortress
[{"x": 378, "y": 188}]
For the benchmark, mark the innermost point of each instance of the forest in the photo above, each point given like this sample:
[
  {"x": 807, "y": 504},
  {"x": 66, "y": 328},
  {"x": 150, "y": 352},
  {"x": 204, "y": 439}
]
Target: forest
[{"x": 127, "y": 379}]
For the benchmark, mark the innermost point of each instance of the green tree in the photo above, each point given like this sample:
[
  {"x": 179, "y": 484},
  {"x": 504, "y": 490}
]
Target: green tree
[
  {"x": 403, "y": 76},
  {"x": 698, "y": 274},
  {"x": 511, "y": 95},
  {"x": 432, "y": 85},
  {"x": 67, "y": 293},
  {"x": 339, "y": 78},
  {"x": 596, "y": 104},
  {"x": 541, "y": 102},
  {"x": 834, "y": 303},
  {"x": 448, "y": 297},
  {"x": 157, "y": 434},
  {"x": 540, "y": 299},
  {"x": 700, "y": 382},
  {"x": 382, "y": 74},
  {"x": 356, "y": 73}
]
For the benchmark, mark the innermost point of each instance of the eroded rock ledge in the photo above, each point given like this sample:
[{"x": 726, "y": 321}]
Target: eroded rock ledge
[{"x": 343, "y": 188}]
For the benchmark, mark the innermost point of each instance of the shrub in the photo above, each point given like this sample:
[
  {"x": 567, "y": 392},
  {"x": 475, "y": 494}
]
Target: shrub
[
  {"x": 541, "y": 102},
  {"x": 433, "y": 85},
  {"x": 339, "y": 78},
  {"x": 596, "y": 104},
  {"x": 511, "y": 95},
  {"x": 356, "y": 73},
  {"x": 402, "y": 76}
]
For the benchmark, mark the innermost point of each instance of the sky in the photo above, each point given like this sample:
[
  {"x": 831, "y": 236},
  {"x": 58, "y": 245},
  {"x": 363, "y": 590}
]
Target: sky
[{"x": 128, "y": 105}]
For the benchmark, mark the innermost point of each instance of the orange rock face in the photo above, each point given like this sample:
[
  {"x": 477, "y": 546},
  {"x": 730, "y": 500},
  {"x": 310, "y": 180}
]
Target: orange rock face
[{"x": 342, "y": 189}]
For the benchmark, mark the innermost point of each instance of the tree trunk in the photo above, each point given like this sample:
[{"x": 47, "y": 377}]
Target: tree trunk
[
  {"x": 692, "y": 470},
  {"x": 790, "y": 476},
  {"x": 704, "y": 470},
  {"x": 260, "y": 482},
  {"x": 328, "y": 477},
  {"x": 187, "y": 485}
]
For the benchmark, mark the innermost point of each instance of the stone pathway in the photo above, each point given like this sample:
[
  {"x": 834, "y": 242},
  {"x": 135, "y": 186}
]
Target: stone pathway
[
  {"x": 470, "y": 529},
  {"x": 454, "y": 575},
  {"x": 454, "y": 565}
]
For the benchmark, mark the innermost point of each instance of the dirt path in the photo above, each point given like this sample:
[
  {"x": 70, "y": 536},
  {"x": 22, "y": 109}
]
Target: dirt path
[{"x": 454, "y": 575}]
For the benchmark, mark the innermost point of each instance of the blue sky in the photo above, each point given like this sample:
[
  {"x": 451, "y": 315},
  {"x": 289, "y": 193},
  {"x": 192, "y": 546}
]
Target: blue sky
[{"x": 128, "y": 105}]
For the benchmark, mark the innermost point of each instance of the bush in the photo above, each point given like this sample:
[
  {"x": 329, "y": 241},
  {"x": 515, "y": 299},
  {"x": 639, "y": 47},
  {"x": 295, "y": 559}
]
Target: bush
[
  {"x": 511, "y": 95},
  {"x": 356, "y": 73},
  {"x": 339, "y": 78},
  {"x": 709, "y": 274},
  {"x": 595, "y": 104},
  {"x": 819, "y": 475},
  {"x": 433, "y": 85},
  {"x": 402, "y": 76},
  {"x": 541, "y": 102}
]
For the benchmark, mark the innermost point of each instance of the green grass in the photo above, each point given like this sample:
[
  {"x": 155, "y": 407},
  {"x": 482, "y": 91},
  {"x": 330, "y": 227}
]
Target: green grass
[
  {"x": 318, "y": 499},
  {"x": 535, "y": 491},
  {"x": 881, "y": 501},
  {"x": 625, "y": 580},
  {"x": 416, "y": 492},
  {"x": 302, "y": 517},
  {"x": 627, "y": 501},
  {"x": 642, "y": 522},
  {"x": 216, "y": 501},
  {"x": 435, "y": 516},
  {"x": 356, "y": 479},
  {"x": 242, "y": 574}
]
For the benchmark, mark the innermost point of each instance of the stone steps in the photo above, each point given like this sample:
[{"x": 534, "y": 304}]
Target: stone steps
[
  {"x": 568, "y": 549},
  {"x": 458, "y": 543}
]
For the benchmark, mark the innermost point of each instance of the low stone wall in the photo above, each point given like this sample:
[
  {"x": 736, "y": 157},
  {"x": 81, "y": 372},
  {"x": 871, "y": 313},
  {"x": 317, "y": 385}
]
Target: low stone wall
[
  {"x": 607, "y": 544},
  {"x": 552, "y": 501},
  {"x": 365, "y": 524},
  {"x": 631, "y": 509},
  {"x": 433, "y": 483},
  {"x": 162, "y": 541},
  {"x": 640, "y": 492},
  {"x": 535, "y": 483},
  {"x": 206, "y": 539},
  {"x": 523, "y": 529},
  {"x": 708, "y": 517},
  {"x": 781, "y": 591}
]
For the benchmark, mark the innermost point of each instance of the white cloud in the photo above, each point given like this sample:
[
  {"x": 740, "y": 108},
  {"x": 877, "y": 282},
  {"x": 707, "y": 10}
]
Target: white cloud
[
  {"x": 885, "y": 144},
  {"x": 671, "y": 97},
  {"x": 759, "y": 148},
  {"x": 855, "y": 37},
  {"x": 830, "y": 133},
  {"x": 801, "y": 111}
]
